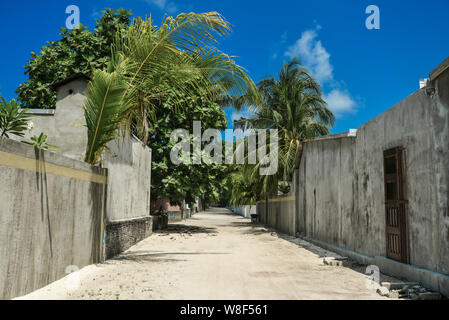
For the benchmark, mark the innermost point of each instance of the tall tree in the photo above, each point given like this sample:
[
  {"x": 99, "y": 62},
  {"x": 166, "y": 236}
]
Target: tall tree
[
  {"x": 184, "y": 181},
  {"x": 150, "y": 62},
  {"x": 78, "y": 51},
  {"x": 293, "y": 105}
]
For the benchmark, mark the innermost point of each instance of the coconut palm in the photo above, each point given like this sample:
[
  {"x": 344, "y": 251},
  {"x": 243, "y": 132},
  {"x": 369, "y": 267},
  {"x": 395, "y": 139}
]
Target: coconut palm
[
  {"x": 147, "y": 63},
  {"x": 293, "y": 105}
]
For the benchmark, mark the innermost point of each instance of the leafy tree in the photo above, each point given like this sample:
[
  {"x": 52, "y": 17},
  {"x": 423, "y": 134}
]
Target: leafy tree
[
  {"x": 147, "y": 62},
  {"x": 184, "y": 181},
  {"x": 13, "y": 120},
  {"x": 79, "y": 51}
]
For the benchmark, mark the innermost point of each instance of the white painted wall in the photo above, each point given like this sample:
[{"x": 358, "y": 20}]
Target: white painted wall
[{"x": 245, "y": 211}]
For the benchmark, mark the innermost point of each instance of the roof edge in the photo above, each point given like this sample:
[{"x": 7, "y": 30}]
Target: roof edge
[
  {"x": 439, "y": 70},
  {"x": 74, "y": 77}
]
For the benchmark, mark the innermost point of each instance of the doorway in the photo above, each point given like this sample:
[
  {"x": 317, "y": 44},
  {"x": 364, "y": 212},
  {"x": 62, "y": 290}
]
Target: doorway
[{"x": 396, "y": 205}]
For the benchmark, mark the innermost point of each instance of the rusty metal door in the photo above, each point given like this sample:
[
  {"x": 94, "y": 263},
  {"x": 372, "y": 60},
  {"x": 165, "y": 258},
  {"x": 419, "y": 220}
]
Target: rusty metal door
[{"x": 396, "y": 205}]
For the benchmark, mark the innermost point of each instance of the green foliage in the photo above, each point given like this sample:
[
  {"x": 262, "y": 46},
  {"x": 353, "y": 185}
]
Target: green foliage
[
  {"x": 153, "y": 61},
  {"x": 102, "y": 111},
  {"x": 13, "y": 120},
  {"x": 293, "y": 105},
  {"x": 79, "y": 51},
  {"x": 184, "y": 181},
  {"x": 243, "y": 189},
  {"x": 40, "y": 142}
]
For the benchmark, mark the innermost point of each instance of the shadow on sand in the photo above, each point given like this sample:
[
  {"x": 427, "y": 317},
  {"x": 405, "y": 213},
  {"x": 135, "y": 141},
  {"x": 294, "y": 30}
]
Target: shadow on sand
[
  {"x": 158, "y": 256},
  {"x": 182, "y": 228}
]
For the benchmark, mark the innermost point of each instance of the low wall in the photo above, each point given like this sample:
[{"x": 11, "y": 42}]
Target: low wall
[
  {"x": 279, "y": 213},
  {"x": 51, "y": 210},
  {"x": 174, "y": 216},
  {"x": 122, "y": 235},
  {"x": 245, "y": 211}
]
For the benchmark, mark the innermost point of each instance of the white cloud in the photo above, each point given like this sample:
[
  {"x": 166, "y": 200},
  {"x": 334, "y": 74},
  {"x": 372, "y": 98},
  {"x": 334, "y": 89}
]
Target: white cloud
[
  {"x": 340, "y": 102},
  {"x": 171, "y": 7},
  {"x": 158, "y": 3},
  {"x": 313, "y": 55}
]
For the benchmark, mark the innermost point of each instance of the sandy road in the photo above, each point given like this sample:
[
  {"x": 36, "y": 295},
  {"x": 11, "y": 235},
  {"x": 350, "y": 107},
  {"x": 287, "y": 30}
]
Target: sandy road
[{"x": 216, "y": 255}]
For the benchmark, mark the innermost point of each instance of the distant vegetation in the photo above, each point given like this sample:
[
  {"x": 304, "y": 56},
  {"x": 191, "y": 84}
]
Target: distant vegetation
[{"x": 293, "y": 105}]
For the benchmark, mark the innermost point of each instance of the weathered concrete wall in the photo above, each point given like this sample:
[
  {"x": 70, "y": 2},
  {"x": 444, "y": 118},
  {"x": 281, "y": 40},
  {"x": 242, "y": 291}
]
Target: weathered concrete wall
[
  {"x": 326, "y": 191},
  {"x": 279, "y": 213},
  {"x": 129, "y": 168},
  {"x": 340, "y": 189},
  {"x": 439, "y": 121},
  {"x": 50, "y": 217},
  {"x": 64, "y": 126},
  {"x": 174, "y": 216},
  {"x": 409, "y": 124},
  {"x": 128, "y": 163},
  {"x": 341, "y": 185}
]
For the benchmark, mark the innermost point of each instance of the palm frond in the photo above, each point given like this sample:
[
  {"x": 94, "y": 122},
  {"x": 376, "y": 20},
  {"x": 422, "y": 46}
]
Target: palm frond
[{"x": 103, "y": 111}]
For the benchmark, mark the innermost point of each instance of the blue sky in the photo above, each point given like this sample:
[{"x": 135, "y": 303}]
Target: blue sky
[{"x": 363, "y": 72}]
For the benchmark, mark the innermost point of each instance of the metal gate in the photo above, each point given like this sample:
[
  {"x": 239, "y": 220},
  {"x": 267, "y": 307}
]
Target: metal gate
[{"x": 396, "y": 205}]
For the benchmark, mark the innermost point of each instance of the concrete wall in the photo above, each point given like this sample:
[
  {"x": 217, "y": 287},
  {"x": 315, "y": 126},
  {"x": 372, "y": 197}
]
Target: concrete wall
[
  {"x": 128, "y": 162},
  {"x": 410, "y": 124},
  {"x": 51, "y": 210},
  {"x": 64, "y": 126},
  {"x": 245, "y": 211},
  {"x": 439, "y": 219},
  {"x": 338, "y": 195},
  {"x": 340, "y": 189},
  {"x": 279, "y": 213},
  {"x": 326, "y": 194},
  {"x": 129, "y": 168},
  {"x": 175, "y": 216}
]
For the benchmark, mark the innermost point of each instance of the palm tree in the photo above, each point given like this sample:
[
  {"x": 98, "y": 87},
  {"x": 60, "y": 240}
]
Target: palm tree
[
  {"x": 147, "y": 63},
  {"x": 293, "y": 105}
]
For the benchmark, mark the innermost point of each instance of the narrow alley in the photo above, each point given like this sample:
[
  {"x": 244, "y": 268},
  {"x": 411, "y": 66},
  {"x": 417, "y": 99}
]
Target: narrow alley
[{"x": 216, "y": 255}]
